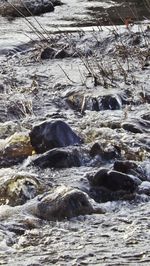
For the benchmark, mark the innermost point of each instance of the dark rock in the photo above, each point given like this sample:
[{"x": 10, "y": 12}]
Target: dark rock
[
  {"x": 58, "y": 158},
  {"x": 137, "y": 126},
  {"x": 132, "y": 127},
  {"x": 17, "y": 8},
  {"x": 95, "y": 104},
  {"x": 49, "y": 135},
  {"x": 110, "y": 102},
  {"x": 47, "y": 53},
  {"x": 113, "y": 180},
  {"x": 98, "y": 103},
  {"x": 130, "y": 168},
  {"x": 95, "y": 150},
  {"x": 61, "y": 54}
]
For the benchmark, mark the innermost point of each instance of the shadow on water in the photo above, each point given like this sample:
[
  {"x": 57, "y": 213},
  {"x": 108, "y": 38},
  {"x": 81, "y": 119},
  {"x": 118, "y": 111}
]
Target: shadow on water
[{"x": 117, "y": 13}]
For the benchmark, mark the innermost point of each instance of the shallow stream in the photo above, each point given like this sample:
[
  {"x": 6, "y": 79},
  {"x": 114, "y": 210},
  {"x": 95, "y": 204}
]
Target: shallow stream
[{"x": 32, "y": 90}]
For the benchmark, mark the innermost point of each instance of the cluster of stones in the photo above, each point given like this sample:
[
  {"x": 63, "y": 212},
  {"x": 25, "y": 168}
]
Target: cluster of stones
[{"x": 56, "y": 145}]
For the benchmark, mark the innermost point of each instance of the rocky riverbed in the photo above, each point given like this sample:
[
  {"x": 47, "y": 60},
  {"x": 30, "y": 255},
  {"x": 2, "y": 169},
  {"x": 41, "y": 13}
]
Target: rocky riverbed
[{"x": 75, "y": 138}]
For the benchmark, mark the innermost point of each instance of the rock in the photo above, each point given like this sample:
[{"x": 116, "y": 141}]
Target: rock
[
  {"x": 64, "y": 202},
  {"x": 61, "y": 54},
  {"x": 47, "y": 53},
  {"x": 137, "y": 126},
  {"x": 18, "y": 187},
  {"x": 110, "y": 102},
  {"x": 134, "y": 128},
  {"x": 58, "y": 158},
  {"x": 49, "y": 135},
  {"x": 17, "y": 8},
  {"x": 94, "y": 103},
  {"x": 113, "y": 180},
  {"x": 75, "y": 101},
  {"x": 130, "y": 168},
  {"x": 15, "y": 149},
  {"x": 61, "y": 203}
]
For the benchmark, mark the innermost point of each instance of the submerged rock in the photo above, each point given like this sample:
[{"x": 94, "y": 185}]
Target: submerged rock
[
  {"x": 18, "y": 187},
  {"x": 17, "y": 8},
  {"x": 50, "y": 53},
  {"x": 47, "y": 53},
  {"x": 49, "y": 135},
  {"x": 63, "y": 202},
  {"x": 58, "y": 158}
]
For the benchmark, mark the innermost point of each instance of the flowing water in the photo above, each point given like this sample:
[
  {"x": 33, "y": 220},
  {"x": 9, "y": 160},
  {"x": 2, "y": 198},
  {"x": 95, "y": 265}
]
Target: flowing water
[{"x": 33, "y": 90}]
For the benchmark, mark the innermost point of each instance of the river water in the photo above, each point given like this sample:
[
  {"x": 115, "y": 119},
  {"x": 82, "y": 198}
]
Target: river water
[
  {"x": 121, "y": 235},
  {"x": 73, "y": 15}
]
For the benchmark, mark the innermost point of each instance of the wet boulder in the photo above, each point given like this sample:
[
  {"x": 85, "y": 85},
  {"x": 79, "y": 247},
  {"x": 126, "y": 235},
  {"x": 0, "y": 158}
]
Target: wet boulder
[
  {"x": 58, "y": 158},
  {"x": 49, "y": 135},
  {"x": 82, "y": 102},
  {"x": 64, "y": 202},
  {"x": 47, "y": 53},
  {"x": 17, "y": 8},
  {"x": 130, "y": 168},
  {"x": 18, "y": 187},
  {"x": 113, "y": 180},
  {"x": 56, "y": 204},
  {"x": 110, "y": 102},
  {"x": 50, "y": 53},
  {"x": 60, "y": 54},
  {"x": 15, "y": 149}
]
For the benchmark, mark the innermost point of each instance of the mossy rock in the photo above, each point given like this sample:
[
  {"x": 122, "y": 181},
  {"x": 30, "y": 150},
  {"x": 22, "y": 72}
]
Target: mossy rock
[
  {"x": 15, "y": 149},
  {"x": 18, "y": 187}
]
